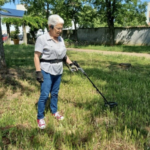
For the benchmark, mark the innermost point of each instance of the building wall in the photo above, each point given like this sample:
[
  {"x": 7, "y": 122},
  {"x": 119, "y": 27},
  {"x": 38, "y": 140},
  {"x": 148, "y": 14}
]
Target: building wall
[
  {"x": 95, "y": 35},
  {"x": 20, "y": 7},
  {"x": 132, "y": 36},
  {"x": 126, "y": 36}
]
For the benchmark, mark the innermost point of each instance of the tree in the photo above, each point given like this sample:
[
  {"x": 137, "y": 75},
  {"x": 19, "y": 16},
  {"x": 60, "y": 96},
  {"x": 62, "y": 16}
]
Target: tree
[
  {"x": 133, "y": 16},
  {"x": 2, "y": 2},
  {"x": 67, "y": 9},
  {"x": 120, "y": 12},
  {"x": 33, "y": 22},
  {"x": 40, "y": 8},
  {"x": 73, "y": 7},
  {"x": 58, "y": 7},
  {"x": 2, "y": 54},
  {"x": 89, "y": 18}
]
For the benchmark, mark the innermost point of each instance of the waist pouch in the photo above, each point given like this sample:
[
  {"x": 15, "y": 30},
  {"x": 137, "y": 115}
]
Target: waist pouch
[{"x": 52, "y": 61}]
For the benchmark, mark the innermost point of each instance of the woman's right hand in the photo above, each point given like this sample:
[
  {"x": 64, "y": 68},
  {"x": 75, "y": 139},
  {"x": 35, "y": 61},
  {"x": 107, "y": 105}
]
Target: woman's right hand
[
  {"x": 73, "y": 67},
  {"x": 39, "y": 76}
]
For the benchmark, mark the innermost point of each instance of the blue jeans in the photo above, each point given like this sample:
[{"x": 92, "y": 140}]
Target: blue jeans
[{"x": 51, "y": 85}]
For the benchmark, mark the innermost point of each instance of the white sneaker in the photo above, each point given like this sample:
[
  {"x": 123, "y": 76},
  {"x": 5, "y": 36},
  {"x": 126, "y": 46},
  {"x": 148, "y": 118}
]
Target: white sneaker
[
  {"x": 58, "y": 116},
  {"x": 41, "y": 123}
]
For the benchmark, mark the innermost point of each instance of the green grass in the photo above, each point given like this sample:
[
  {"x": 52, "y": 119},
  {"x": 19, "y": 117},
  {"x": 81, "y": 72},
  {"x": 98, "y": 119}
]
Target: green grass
[
  {"x": 117, "y": 48},
  {"x": 88, "y": 124}
]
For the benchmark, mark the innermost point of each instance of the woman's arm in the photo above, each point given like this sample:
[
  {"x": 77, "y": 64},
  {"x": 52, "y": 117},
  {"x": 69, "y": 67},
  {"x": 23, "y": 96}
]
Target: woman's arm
[
  {"x": 68, "y": 61},
  {"x": 37, "y": 60}
]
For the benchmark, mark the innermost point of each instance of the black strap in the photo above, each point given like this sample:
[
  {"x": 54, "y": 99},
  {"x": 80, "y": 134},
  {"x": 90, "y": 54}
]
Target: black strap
[{"x": 52, "y": 60}]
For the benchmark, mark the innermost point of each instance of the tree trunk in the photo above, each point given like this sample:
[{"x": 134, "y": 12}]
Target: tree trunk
[
  {"x": 24, "y": 35},
  {"x": 8, "y": 29},
  {"x": 47, "y": 10},
  {"x": 111, "y": 33},
  {"x": 76, "y": 34},
  {"x": 8, "y": 33},
  {"x": 47, "y": 15},
  {"x": 2, "y": 54},
  {"x": 110, "y": 21}
]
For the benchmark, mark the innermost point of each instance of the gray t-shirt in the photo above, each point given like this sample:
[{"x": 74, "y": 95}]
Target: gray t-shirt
[{"x": 51, "y": 50}]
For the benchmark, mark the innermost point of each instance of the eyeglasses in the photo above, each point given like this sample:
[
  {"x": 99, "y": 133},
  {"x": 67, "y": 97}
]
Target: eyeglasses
[{"x": 59, "y": 28}]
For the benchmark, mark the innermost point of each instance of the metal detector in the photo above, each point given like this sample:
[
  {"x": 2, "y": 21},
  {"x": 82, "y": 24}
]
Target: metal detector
[{"x": 110, "y": 104}]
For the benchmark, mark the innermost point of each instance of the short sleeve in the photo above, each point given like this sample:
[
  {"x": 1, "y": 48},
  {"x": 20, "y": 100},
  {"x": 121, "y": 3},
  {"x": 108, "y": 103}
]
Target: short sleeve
[{"x": 39, "y": 45}]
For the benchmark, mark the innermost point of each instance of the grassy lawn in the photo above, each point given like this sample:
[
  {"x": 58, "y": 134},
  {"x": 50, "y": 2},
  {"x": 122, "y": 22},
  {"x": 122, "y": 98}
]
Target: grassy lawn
[
  {"x": 88, "y": 125},
  {"x": 118, "y": 48}
]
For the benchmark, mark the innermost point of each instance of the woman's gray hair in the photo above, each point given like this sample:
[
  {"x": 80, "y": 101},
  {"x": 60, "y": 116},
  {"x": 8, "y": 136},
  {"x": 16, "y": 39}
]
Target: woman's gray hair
[{"x": 55, "y": 19}]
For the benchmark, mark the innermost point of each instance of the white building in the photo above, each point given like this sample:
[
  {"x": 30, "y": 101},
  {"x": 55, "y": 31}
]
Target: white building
[
  {"x": 18, "y": 12},
  {"x": 148, "y": 14}
]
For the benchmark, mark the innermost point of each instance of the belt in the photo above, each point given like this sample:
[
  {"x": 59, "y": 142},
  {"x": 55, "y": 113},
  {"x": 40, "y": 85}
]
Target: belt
[{"x": 52, "y": 61}]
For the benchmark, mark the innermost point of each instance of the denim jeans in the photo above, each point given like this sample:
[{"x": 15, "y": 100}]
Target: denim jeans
[{"x": 51, "y": 85}]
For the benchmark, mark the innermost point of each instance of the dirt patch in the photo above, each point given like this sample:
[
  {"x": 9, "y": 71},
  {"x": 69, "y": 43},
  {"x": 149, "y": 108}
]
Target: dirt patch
[
  {"x": 13, "y": 96},
  {"x": 109, "y": 52},
  {"x": 10, "y": 73}
]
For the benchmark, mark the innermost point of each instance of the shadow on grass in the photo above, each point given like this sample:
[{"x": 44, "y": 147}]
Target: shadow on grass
[
  {"x": 19, "y": 55},
  {"x": 27, "y": 137},
  {"x": 119, "y": 79},
  {"x": 137, "y": 49},
  {"x": 128, "y": 87},
  {"x": 19, "y": 60},
  {"x": 14, "y": 79},
  {"x": 14, "y": 135}
]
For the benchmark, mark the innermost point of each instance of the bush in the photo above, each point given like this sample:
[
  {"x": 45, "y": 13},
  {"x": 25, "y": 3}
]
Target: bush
[
  {"x": 12, "y": 33},
  {"x": 16, "y": 32},
  {"x": 68, "y": 40}
]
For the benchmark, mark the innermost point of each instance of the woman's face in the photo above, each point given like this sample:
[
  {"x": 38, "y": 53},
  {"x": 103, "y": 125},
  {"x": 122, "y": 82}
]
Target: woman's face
[{"x": 56, "y": 31}]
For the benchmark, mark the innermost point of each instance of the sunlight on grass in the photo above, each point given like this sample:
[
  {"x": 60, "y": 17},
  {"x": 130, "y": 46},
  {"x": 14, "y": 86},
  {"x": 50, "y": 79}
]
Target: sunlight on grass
[
  {"x": 117, "y": 48},
  {"x": 88, "y": 124}
]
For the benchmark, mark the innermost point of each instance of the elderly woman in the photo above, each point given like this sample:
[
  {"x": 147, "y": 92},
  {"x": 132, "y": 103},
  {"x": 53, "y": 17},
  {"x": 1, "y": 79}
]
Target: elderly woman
[{"x": 49, "y": 68}]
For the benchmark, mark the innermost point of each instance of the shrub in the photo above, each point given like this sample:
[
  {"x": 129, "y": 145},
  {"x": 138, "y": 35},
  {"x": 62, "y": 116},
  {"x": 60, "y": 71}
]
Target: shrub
[
  {"x": 12, "y": 33},
  {"x": 16, "y": 32}
]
